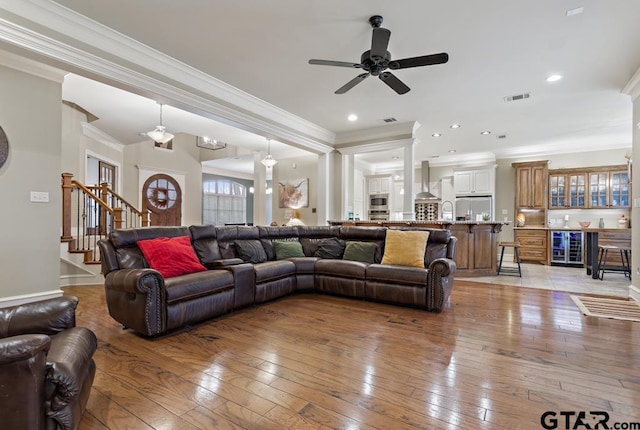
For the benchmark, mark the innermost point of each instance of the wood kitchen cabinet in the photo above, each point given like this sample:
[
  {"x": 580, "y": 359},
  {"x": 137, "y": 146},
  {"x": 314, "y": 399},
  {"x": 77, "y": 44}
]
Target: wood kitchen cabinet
[
  {"x": 531, "y": 185},
  {"x": 533, "y": 244},
  {"x": 609, "y": 189},
  {"x": 567, "y": 189}
]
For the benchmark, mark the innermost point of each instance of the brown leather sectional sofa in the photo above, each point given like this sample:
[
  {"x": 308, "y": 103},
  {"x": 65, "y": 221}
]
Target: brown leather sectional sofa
[
  {"x": 46, "y": 365},
  {"x": 141, "y": 299}
]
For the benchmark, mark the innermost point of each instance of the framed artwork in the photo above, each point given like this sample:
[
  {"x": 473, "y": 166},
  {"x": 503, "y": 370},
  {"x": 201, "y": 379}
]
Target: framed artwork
[{"x": 294, "y": 193}]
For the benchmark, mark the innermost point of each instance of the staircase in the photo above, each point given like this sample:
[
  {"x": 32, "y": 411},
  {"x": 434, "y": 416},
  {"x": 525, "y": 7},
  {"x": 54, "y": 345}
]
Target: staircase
[{"x": 89, "y": 213}]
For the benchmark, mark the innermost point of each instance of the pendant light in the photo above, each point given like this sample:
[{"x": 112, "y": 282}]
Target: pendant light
[
  {"x": 268, "y": 161},
  {"x": 159, "y": 134}
]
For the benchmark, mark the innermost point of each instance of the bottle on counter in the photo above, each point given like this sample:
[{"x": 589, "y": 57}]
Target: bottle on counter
[{"x": 601, "y": 223}]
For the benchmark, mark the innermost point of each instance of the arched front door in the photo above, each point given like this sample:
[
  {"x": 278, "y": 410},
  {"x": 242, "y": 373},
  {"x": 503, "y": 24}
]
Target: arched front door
[{"x": 162, "y": 196}]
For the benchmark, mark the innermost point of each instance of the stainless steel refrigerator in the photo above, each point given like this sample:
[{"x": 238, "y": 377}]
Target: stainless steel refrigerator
[{"x": 474, "y": 207}]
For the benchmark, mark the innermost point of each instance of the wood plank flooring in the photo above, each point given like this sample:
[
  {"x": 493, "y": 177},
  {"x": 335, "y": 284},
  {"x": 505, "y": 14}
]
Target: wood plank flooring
[{"x": 497, "y": 357}]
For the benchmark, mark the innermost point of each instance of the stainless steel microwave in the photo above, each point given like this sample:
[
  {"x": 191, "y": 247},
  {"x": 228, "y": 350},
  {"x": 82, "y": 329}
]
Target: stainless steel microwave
[{"x": 379, "y": 201}]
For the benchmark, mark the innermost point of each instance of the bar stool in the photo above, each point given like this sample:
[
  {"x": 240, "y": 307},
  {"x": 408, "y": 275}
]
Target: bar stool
[
  {"x": 603, "y": 252},
  {"x": 510, "y": 270}
]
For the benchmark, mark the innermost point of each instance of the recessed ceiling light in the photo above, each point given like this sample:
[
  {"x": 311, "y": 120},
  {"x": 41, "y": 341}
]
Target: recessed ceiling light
[
  {"x": 485, "y": 132},
  {"x": 575, "y": 11},
  {"x": 452, "y": 151},
  {"x": 353, "y": 117},
  {"x": 436, "y": 135},
  {"x": 554, "y": 78},
  {"x": 454, "y": 126}
]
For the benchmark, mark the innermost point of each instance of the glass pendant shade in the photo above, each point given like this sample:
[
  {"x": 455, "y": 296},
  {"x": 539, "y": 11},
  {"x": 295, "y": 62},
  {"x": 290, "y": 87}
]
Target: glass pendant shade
[
  {"x": 269, "y": 161},
  {"x": 160, "y": 134}
]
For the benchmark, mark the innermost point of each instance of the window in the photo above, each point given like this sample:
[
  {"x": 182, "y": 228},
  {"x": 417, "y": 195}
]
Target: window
[{"x": 223, "y": 202}]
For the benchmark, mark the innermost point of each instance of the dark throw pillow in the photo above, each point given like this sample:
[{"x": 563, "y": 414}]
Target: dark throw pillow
[
  {"x": 171, "y": 256},
  {"x": 331, "y": 247},
  {"x": 360, "y": 251},
  {"x": 287, "y": 249},
  {"x": 251, "y": 251}
]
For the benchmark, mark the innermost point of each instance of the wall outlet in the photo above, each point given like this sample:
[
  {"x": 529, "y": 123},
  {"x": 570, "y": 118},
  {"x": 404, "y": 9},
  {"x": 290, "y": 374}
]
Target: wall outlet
[{"x": 40, "y": 196}]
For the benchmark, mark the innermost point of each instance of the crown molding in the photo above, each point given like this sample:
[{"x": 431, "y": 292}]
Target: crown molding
[
  {"x": 398, "y": 131},
  {"x": 632, "y": 87},
  {"x": 17, "y": 62},
  {"x": 222, "y": 102},
  {"x": 100, "y": 136}
]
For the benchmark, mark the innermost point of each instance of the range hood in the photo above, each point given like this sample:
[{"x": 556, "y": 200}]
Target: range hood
[{"x": 425, "y": 195}]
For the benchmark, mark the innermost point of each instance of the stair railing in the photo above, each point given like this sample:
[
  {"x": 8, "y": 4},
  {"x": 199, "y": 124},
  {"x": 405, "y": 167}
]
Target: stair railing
[{"x": 90, "y": 213}]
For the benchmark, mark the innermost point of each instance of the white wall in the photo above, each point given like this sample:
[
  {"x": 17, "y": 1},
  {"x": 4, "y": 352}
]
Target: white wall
[{"x": 30, "y": 115}]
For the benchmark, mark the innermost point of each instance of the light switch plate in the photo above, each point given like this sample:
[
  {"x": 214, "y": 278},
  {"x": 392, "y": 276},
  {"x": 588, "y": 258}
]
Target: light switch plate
[{"x": 40, "y": 196}]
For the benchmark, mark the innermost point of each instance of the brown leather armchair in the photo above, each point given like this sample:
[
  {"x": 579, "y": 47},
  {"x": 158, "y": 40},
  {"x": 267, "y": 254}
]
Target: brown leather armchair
[{"x": 46, "y": 365}]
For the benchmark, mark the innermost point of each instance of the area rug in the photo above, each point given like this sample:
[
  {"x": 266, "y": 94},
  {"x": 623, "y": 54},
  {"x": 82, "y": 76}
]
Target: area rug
[{"x": 619, "y": 309}]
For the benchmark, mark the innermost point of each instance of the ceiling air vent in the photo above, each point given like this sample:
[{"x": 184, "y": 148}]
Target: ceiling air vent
[
  {"x": 388, "y": 120},
  {"x": 502, "y": 136},
  {"x": 517, "y": 97}
]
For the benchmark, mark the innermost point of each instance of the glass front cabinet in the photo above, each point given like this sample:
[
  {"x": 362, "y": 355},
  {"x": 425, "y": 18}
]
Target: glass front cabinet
[
  {"x": 567, "y": 190},
  {"x": 609, "y": 189},
  {"x": 591, "y": 187}
]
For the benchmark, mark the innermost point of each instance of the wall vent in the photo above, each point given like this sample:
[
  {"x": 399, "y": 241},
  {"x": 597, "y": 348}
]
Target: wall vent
[
  {"x": 388, "y": 120},
  {"x": 517, "y": 97},
  {"x": 502, "y": 136}
]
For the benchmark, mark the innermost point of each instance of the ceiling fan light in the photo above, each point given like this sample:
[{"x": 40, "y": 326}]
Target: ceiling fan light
[
  {"x": 269, "y": 161},
  {"x": 160, "y": 135}
]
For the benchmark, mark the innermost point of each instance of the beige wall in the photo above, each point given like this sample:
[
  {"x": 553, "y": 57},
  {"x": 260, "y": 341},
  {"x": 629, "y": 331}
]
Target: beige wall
[
  {"x": 30, "y": 115},
  {"x": 305, "y": 167},
  {"x": 183, "y": 160}
]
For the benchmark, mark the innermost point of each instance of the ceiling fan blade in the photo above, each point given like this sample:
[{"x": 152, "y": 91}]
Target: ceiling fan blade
[
  {"x": 425, "y": 60},
  {"x": 394, "y": 83},
  {"x": 352, "y": 83},
  {"x": 335, "y": 63},
  {"x": 379, "y": 43}
]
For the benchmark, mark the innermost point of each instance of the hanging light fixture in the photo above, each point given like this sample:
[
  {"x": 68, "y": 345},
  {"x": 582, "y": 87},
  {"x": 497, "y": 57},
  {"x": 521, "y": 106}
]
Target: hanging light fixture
[
  {"x": 268, "y": 161},
  {"x": 159, "y": 134}
]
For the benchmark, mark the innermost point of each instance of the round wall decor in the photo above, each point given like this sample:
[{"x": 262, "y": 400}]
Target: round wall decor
[{"x": 4, "y": 147}]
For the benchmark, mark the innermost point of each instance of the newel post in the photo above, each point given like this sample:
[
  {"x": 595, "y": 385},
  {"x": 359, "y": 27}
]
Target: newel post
[
  {"x": 104, "y": 195},
  {"x": 67, "y": 189},
  {"x": 117, "y": 218}
]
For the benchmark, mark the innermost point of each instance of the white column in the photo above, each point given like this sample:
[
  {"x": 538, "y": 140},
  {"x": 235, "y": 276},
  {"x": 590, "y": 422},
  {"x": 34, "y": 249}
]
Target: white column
[
  {"x": 348, "y": 185},
  {"x": 259, "y": 190},
  {"x": 408, "y": 210},
  {"x": 633, "y": 89},
  {"x": 325, "y": 184}
]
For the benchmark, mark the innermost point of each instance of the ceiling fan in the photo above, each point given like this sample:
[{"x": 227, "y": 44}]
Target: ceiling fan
[{"x": 377, "y": 60}]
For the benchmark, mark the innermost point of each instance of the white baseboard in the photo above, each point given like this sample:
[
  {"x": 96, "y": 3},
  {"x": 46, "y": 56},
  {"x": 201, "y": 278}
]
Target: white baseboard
[
  {"x": 634, "y": 293},
  {"x": 27, "y": 298}
]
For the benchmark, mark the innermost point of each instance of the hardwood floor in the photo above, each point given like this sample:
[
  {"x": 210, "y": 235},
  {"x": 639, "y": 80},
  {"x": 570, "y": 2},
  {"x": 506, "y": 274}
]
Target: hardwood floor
[{"x": 497, "y": 357}]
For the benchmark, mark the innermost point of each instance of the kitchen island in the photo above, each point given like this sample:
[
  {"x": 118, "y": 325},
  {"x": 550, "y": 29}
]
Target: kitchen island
[{"x": 476, "y": 249}]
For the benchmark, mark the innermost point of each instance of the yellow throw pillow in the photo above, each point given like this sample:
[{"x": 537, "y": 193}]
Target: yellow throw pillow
[{"x": 405, "y": 248}]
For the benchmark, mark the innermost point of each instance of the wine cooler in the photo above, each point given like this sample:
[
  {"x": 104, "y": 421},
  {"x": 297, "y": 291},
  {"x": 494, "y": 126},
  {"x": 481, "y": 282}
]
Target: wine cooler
[{"x": 567, "y": 248}]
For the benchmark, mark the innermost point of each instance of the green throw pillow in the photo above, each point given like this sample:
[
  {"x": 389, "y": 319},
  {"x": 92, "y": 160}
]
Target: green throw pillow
[
  {"x": 360, "y": 251},
  {"x": 287, "y": 249}
]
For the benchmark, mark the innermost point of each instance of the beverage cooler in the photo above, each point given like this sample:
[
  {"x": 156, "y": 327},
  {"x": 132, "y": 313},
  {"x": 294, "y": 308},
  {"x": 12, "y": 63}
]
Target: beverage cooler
[{"x": 567, "y": 247}]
